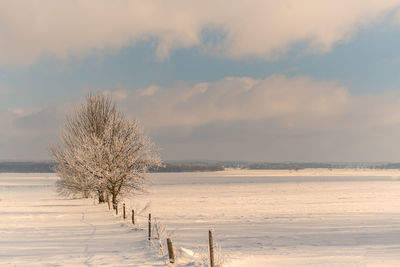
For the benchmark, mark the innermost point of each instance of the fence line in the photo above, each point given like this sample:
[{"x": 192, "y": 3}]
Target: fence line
[{"x": 171, "y": 254}]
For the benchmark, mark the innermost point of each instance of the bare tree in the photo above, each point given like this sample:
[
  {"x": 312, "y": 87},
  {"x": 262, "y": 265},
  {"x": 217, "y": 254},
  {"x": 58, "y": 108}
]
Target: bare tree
[{"x": 102, "y": 152}]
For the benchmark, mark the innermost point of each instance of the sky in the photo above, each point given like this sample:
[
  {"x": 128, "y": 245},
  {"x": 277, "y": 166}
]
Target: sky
[{"x": 255, "y": 80}]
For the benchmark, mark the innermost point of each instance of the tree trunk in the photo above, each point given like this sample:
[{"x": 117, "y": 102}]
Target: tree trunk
[
  {"x": 86, "y": 194},
  {"x": 102, "y": 199},
  {"x": 114, "y": 197}
]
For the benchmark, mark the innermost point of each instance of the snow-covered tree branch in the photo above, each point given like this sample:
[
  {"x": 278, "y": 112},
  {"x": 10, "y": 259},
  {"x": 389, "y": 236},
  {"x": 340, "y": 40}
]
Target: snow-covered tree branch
[{"x": 102, "y": 152}]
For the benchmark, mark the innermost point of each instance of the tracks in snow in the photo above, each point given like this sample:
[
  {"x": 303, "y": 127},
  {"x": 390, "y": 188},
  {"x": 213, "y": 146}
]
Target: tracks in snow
[{"x": 91, "y": 235}]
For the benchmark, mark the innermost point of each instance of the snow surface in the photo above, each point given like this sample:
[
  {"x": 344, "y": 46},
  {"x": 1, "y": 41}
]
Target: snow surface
[{"x": 259, "y": 218}]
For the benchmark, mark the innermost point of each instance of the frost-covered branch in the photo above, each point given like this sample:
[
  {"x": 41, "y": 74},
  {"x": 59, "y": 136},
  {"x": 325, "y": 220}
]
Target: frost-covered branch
[{"x": 102, "y": 152}]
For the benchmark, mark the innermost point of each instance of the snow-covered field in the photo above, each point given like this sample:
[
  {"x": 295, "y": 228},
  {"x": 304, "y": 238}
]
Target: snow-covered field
[
  {"x": 38, "y": 228},
  {"x": 259, "y": 218}
]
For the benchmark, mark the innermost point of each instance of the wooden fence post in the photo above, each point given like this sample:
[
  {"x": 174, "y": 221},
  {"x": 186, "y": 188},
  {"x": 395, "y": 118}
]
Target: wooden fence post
[
  {"x": 133, "y": 216},
  {"x": 211, "y": 246},
  {"x": 124, "y": 212},
  {"x": 149, "y": 226},
  {"x": 170, "y": 251}
]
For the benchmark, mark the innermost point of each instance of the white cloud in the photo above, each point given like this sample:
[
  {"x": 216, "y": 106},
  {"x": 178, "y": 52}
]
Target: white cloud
[
  {"x": 276, "y": 118},
  {"x": 26, "y": 134},
  {"x": 17, "y": 111},
  {"x": 148, "y": 91},
  {"x": 255, "y": 28},
  {"x": 291, "y": 100}
]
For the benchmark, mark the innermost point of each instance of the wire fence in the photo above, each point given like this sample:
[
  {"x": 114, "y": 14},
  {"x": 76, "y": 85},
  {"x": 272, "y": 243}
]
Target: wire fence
[{"x": 157, "y": 233}]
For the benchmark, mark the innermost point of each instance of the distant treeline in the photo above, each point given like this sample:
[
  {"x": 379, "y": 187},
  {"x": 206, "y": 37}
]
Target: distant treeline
[
  {"x": 316, "y": 165},
  {"x": 300, "y": 166},
  {"x": 47, "y": 166},
  {"x": 188, "y": 167},
  {"x": 27, "y": 167}
]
